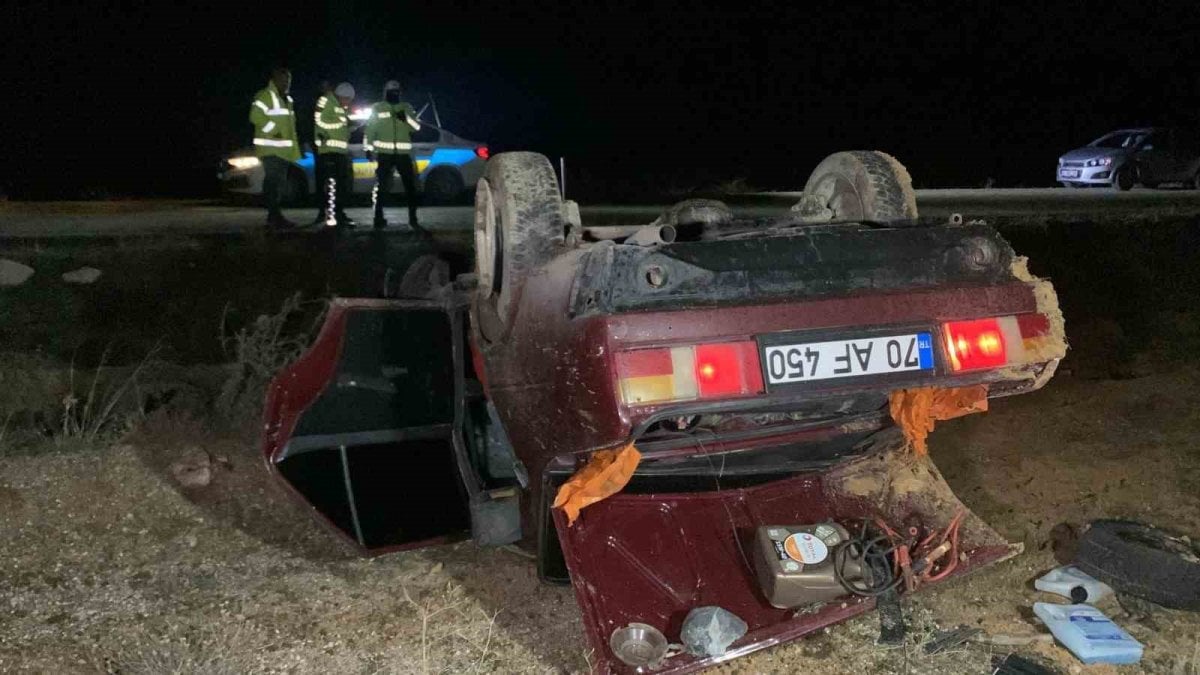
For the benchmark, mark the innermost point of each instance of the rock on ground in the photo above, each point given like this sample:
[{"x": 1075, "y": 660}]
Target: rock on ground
[
  {"x": 13, "y": 273},
  {"x": 83, "y": 275},
  {"x": 194, "y": 470}
]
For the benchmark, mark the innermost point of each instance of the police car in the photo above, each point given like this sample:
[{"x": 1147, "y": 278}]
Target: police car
[{"x": 446, "y": 165}]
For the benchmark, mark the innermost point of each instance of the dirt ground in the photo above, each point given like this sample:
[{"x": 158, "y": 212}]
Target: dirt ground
[{"x": 109, "y": 565}]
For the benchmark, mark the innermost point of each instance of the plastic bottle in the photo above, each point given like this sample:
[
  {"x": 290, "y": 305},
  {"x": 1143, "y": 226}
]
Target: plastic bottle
[
  {"x": 1089, "y": 634},
  {"x": 1074, "y": 583}
]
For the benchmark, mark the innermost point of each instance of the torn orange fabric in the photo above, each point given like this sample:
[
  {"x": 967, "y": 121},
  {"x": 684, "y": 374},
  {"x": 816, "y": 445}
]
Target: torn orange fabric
[
  {"x": 606, "y": 474},
  {"x": 915, "y": 410}
]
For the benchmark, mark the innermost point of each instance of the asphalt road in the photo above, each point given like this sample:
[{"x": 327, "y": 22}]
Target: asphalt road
[{"x": 63, "y": 219}]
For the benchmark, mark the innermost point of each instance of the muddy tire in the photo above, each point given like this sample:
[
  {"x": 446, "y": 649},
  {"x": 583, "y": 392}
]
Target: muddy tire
[
  {"x": 1142, "y": 561},
  {"x": 860, "y": 186},
  {"x": 519, "y": 226}
]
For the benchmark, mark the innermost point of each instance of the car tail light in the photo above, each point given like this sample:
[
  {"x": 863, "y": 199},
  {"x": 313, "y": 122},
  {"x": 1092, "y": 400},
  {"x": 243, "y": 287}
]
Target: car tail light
[
  {"x": 482, "y": 152},
  {"x": 709, "y": 371},
  {"x": 1000, "y": 341},
  {"x": 974, "y": 345}
]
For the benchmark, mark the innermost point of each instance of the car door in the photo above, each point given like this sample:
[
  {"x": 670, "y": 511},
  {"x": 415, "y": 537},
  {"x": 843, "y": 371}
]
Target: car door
[
  {"x": 365, "y": 427},
  {"x": 425, "y": 142},
  {"x": 1154, "y": 159}
]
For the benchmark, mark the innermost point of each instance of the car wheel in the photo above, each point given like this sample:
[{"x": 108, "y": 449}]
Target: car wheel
[
  {"x": 1143, "y": 561},
  {"x": 859, "y": 186},
  {"x": 443, "y": 186},
  {"x": 519, "y": 225},
  {"x": 1123, "y": 180},
  {"x": 295, "y": 189}
]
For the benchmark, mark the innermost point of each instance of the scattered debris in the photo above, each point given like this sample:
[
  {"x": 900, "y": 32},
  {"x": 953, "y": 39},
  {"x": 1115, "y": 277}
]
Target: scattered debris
[
  {"x": 640, "y": 645},
  {"x": 1144, "y": 561},
  {"x": 83, "y": 275},
  {"x": 1015, "y": 664},
  {"x": 1071, "y": 582},
  {"x": 13, "y": 273},
  {"x": 708, "y": 631},
  {"x": 949, "y": 639},
  {"x": 194, "y": 469},
  {"x": 915, "y": 410},
  {"x": 605, "y": 474},
  {"x": 1012, "y": 640},
  {"x": 1090, "y": 635}
]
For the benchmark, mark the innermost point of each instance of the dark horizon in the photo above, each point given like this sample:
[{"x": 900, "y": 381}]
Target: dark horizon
[{"x": 121, "y": 100}]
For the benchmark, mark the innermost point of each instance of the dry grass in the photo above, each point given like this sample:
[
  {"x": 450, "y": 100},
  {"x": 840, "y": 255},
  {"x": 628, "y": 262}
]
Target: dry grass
[
  {"x": 259, "y": 351},
  {"x": 103, "y": 411}
]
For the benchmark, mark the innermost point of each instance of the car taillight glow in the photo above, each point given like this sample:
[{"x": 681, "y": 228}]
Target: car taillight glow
[
  {"x": 482, "y": 152},
  {"x": 1000, "y": 341},
  {"x": 974, "y": 345},
  {"x": 708, "y": 371}
]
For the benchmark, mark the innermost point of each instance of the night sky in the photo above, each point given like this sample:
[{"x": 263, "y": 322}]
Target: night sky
[{"x": 142, "y": 98}]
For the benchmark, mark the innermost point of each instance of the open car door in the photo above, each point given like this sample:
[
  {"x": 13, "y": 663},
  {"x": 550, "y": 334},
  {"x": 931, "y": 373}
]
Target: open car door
[
  {"x": 365, "y": 427},
  {"x": 665, "y": 546}
]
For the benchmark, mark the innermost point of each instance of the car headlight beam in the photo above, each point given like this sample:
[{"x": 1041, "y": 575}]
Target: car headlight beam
[{"x": 244, "y": 163}]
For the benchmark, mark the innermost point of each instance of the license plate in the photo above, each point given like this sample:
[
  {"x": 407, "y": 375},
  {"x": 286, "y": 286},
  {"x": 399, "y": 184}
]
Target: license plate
[
  {"x": 808, "y": 362},
  {"x": 1068, "y": 173}
]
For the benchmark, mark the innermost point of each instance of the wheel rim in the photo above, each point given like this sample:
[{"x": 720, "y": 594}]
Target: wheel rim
[
  {"x": 486, "y": 240},
  {"x": 840, "y": 198}
]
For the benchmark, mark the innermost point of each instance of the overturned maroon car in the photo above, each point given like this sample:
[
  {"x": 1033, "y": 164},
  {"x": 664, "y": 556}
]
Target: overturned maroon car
[{"x": 754, "y": 367}]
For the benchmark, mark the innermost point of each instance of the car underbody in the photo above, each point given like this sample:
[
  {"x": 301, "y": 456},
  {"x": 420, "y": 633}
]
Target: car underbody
[{"x": 756, "y": 366}]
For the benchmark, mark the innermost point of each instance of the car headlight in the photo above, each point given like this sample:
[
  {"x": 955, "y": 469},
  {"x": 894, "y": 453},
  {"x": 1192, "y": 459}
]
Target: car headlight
[
  {"x": 1102, "y": 161},
  {"x": 243, "y": 163}
]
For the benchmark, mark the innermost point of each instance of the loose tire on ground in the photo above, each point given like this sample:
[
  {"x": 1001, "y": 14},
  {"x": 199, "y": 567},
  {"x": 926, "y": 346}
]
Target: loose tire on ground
[
  {"x": 1142, "y": 561},
  {"x": 860, "y": 186},
  {"x": 443, "y": 185},
  {"x": 519, "y": 225}
]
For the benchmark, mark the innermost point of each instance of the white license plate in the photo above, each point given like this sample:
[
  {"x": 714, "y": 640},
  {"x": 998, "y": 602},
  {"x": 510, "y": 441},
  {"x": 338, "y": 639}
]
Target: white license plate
[
  {"x": 1068, "y": 173},
  {"x": 808, "y": 362}
]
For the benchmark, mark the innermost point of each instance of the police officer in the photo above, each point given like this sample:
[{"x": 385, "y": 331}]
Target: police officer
[
  {"x": 275, "y": 141},
  {"x": 324, "y": 96},
  {"x": 332, "y": 131},
  {"x": 388, "y": 137}
]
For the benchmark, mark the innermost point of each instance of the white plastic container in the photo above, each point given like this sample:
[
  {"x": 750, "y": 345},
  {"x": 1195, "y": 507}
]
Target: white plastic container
[
  {"x": 1073, "y": 583},
  {"x": 1090, "y": 635}
]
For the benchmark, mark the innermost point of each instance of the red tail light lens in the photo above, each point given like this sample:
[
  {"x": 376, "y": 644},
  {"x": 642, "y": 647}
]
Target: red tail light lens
[
  {"x": 975, "y": 345},
  {"x": 728, "y": 369},
  {"x": 482, "y": 152},
  {"x": 709, "y": 371}
]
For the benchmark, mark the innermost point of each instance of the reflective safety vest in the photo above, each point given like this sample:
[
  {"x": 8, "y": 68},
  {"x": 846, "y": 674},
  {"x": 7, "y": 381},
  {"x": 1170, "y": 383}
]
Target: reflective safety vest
[
  {"x": 331, "y": 125},
  {"x": 389, "y": 127},
  {"x": 274, "y": 125}
]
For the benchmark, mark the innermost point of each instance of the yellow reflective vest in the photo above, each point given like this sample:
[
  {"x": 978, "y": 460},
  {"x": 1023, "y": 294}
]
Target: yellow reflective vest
[
  {"x": 274, "y": 124},
  {"x": 331, "y": 126},
  {"x": 389, "y": 127}
]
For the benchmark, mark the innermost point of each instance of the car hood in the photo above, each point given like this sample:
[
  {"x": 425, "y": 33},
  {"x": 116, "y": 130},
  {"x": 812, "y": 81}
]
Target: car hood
[{"x": 1086, "y": 153}]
